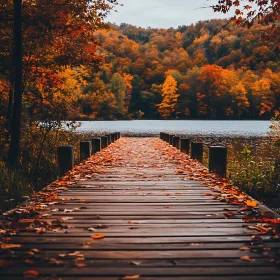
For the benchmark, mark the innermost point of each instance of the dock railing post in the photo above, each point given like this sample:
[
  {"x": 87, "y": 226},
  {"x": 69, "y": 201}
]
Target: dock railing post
[
  {"x": 104, "y": 142},
  {"x": 109, "y": 139},
  {"x": 197, "y": 151},
  {"x": 85, "y": 151},
  {"x": 170, "y": 140},
  {"x": 96, "y": 145},
  {"x": 65, "y": 159},
  {"x": 185, "y": 145},
  {"x": 176, "y": 142},
  {"x": 218, "y": 160}
]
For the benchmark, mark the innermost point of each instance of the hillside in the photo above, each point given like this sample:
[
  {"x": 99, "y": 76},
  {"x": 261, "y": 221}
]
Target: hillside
[{"x": 221, "y": 72}]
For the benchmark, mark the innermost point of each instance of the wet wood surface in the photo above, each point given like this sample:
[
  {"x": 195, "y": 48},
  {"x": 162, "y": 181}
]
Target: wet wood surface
[{"x": 155, "y": 222}]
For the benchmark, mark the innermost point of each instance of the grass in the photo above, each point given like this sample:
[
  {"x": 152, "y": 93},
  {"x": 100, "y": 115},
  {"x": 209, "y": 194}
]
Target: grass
[{"x": 38, "y": 163}]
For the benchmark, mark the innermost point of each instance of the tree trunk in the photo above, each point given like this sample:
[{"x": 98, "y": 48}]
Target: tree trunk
[
  {"x": 11, "y": 99},
  {"x": 13, "y": 155}
]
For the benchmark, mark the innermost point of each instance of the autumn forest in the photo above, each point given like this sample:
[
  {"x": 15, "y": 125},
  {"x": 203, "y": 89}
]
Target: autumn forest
[
  {"x": 199, "y": 71},
  {"x": 210, "y": 70},
  {"x": 60, "y": 60}
]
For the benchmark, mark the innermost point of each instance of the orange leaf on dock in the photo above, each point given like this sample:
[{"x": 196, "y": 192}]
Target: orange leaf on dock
[
  {"x": 30, "y": 273},
  {"x": 97, "y": 236},
  {"x": 251, "y": 203}
]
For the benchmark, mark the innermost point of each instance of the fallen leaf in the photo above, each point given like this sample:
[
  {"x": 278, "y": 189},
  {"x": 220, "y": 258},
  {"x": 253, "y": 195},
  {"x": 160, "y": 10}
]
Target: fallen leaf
[
  {"x": 251, "y": 203},
  {"x": 244, "y": 248},
  {"x": 10, "y": 246},
  {"x": 135, "y": 263},
  {"x": 247, "y": 259},
  {"x": 229, "y": 214},
  {"x": 91, "y": 229},
  {"x": 80, "y": 264},
  {"x": 97, "y": 236},
  {"x": 130, "y": 277},
  {"x": 30, "y": 273}
]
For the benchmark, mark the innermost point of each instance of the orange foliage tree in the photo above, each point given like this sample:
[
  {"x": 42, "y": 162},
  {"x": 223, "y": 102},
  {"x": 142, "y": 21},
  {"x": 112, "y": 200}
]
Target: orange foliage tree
[{"x": 211, "y": 92}]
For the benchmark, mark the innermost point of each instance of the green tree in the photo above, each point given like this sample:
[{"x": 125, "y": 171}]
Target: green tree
[{"x": 118, "y": 86}]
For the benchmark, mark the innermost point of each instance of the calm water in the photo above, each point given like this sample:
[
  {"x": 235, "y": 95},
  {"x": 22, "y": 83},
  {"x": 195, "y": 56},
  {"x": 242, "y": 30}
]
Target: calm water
[{"x": 180, "y": 127}]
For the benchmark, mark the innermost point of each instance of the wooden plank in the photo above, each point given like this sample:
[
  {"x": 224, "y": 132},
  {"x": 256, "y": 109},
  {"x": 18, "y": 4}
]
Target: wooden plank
[
  {"x": 149, "y": 272},
  {"x": 170, "y": 224}
]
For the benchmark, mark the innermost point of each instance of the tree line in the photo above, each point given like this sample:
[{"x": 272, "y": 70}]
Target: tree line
[{"x": 218, "y": 71}]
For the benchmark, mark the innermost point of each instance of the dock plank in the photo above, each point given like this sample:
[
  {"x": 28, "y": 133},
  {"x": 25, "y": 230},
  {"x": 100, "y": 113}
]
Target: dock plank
[{"x": 161, "y": 219}]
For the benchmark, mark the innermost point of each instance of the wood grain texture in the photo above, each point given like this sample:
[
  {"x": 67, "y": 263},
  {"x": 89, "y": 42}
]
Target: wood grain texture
[{"x": 157, "y": 223}]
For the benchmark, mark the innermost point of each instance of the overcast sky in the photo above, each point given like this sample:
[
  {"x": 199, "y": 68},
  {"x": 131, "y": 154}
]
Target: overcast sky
[{"x": 163, "y": 13}]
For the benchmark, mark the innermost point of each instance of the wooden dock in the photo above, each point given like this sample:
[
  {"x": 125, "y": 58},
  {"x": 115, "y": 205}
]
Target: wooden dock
[{"x": 140, "y": 209}]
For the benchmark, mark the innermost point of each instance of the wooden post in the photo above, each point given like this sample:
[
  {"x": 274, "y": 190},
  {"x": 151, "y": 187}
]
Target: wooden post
[
  {"x": 218, "y": 160},
  {"x": 176, "y": 142},
  {"x": 65, "y": 159},
  {"x": 197, "y": 151},
  {"x": 160, "y": 135},
  {"x": 185, "y": 146},
  {"x": 104, "y": 142},
  {"x": 96, "y": 145},
  {"x": 119, "y": 135},
  {"x": 85, "y": 151},
  {"x": 108, "y": 138},
  {"x": 113, "y": 137},
  {"x": 170, "y": 140}
]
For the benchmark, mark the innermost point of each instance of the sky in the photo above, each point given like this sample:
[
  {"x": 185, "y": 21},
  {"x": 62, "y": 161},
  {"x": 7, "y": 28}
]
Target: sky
[{"x": 163, "y": 13}]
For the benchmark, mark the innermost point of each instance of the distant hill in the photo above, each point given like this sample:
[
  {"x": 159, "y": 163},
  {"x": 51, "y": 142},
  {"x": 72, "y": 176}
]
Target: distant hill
[{"x": 222, "y": 71}]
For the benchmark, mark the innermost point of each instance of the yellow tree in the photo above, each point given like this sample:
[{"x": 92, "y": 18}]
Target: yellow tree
[
  {"x": 169, "y": 97},
  {"x": 240, "y": 100},
  {"x": 264, "y": 98},
  {"x": 128, "y": 82}
]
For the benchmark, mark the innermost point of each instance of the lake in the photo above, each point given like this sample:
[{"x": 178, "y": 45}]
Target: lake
[{"x": 207, "y": 128}]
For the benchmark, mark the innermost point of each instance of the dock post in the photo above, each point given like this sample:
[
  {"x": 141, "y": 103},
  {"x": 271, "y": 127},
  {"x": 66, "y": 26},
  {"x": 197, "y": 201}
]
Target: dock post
[
  {"x": 197, "y": 151},
  {"x": 113, "y": 137},
  {"x": 176, "y": 142},
  {"x": 170, "y": 140},
  {"x": 161, "y": 135},
  {"x": 65, "y": 159},
  {"x": 218, "y": 160},
  {"x": 109, "y": 139},
  {"x": 185, "y": 146},
  {"x": 96, "y": 145},
  {"x": 104, "y": 142},
  {"x": 85, "y": 151}
]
